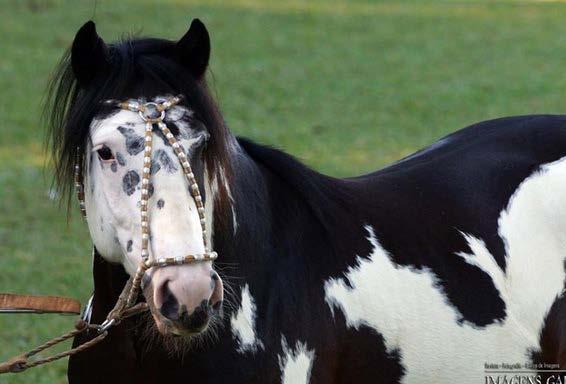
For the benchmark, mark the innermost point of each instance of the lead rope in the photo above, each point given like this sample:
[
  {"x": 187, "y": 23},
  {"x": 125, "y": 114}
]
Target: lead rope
[{"x": 151, "y": 113}]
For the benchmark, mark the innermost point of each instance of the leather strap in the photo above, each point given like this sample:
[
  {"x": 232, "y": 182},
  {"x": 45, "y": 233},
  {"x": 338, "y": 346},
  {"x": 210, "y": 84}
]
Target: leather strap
[{"x": 10, "y": 303}]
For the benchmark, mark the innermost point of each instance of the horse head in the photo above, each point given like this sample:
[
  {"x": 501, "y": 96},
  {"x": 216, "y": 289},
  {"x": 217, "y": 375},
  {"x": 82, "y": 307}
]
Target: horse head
[{"x": 138, "y": 194}]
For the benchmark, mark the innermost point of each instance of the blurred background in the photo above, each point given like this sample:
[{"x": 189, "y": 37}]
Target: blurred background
[{"x": 347, "y": 87}]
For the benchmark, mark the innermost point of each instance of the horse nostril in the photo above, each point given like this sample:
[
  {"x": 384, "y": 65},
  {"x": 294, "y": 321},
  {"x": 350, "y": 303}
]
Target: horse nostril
[
  {"x": 198, "y": 319},
  {"x": 217, "y": 308},
  {"x": 170, "y": 306},
  {"x": 214, "y": 278}
]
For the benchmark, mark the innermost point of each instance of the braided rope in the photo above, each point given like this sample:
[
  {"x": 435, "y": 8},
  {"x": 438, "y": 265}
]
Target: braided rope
[
  {"x": 21, "y": 362},
  {"x": 73, "y": 351}
]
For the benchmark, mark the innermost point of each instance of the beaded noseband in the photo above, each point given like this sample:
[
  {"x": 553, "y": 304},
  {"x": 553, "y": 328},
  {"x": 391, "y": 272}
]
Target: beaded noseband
[{"x": 152, "y": 113}]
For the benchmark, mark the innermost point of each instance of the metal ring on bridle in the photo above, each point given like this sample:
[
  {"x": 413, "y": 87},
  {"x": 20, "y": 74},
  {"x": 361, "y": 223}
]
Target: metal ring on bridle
[{"x": 152, "y": 112}]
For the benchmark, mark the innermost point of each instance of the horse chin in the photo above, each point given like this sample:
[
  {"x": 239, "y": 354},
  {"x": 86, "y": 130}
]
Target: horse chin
[
  {"x": 168, "y": 328},
  {"x": 175, "y": 343}
]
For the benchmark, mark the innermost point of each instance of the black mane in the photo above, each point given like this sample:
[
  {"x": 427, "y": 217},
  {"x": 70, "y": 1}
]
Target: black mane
[
  {"x": 138, "y": 68},
  {"x": 326, "y": 197}
]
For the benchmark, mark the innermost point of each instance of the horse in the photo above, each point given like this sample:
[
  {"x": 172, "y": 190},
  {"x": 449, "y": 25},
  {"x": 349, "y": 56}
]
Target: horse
[{"x": 447, "y": 265}]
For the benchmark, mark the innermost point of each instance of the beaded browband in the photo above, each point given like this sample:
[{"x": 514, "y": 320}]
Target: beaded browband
[{"x": 153, "y": 113}]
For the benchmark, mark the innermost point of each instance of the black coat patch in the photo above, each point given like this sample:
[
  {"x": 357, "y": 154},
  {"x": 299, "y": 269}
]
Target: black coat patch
[
  {"x": 134, "y": 142},
  {"x": 130, "y": 181},
  {"x": 114, "y": 167},
  {"x": 160, "y": 203}
]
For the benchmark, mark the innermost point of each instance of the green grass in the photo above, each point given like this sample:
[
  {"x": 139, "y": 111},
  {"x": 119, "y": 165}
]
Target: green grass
[{"x": 347, "y": 87}]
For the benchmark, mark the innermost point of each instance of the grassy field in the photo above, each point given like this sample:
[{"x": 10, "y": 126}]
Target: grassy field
[{"x": 348, "y": 87}]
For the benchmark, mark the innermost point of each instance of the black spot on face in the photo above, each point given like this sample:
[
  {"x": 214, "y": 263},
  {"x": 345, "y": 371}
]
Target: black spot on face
[
  {"x": 184, "y": 132},
  {"x": 134, "y": 142},
  {"x": 150, "y": 190},
  {"x": 183, "y": 124},
  {"x": 213, "y": 279},
  {"x": 120, "y": 158},
  {"x": 114, "y": 166},
  {"x": 166, "y": 162},
  {"x": 130, "y": 181},
  {"x": 160, "y": 134},
  {"x": 129, "y": 246},
  {"x": 155, "y": 167},
  {"x": 90, "y": 161},
  {"x": 90, "y": 178},
  {"x": 160, "y": 203}
]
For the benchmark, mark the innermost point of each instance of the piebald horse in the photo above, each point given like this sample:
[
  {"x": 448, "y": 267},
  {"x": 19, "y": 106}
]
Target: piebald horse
[{"x": 438, "y": 268}]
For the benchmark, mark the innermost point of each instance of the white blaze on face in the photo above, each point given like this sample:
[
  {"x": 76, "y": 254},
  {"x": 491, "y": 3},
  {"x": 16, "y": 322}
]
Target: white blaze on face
[
  {"x": 243, "y": 324},
  {"x": 295, "y": 363},
  {"x": 411, "y": 311},
  {"x": 113, "y": 192}
]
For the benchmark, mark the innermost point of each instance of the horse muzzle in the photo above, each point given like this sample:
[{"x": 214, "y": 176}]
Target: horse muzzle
[{"x": 185, "y": 298}]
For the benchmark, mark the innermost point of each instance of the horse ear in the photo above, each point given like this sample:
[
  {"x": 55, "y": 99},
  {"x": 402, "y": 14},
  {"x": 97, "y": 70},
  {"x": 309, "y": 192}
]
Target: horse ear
[
  {"x": 193, "y": 50},
  {"x": 89, "y": 54}
]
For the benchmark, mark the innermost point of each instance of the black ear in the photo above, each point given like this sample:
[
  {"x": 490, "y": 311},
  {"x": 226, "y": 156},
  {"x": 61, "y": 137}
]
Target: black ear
[
  {"x": 193, "y": 50},
  {"x": 89, "y": 54}
]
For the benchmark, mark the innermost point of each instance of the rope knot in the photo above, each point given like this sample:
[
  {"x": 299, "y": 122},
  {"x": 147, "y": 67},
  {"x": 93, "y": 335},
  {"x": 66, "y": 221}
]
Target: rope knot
[
  {"x": 14, "y": 365},
  {"x": 81, "y": 325}
]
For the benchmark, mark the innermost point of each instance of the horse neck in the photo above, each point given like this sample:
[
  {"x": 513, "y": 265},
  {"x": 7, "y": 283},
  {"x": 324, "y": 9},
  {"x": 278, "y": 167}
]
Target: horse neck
[{"x": 286, "y": 216}]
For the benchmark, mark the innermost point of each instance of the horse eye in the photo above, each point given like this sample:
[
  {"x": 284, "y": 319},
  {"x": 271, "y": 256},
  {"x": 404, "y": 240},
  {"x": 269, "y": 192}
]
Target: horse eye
[{"x": 105, "y": 153}]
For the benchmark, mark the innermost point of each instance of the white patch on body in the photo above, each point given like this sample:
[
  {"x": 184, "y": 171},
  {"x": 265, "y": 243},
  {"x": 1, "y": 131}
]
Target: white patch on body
[
  {"x": 243, "y": 324},
  {"x": 411, "y": 311},
  {"x": 296, "y": 363}
]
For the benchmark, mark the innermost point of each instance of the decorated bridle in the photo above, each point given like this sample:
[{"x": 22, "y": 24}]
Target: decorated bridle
[{"x": 153, "y": 114}]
